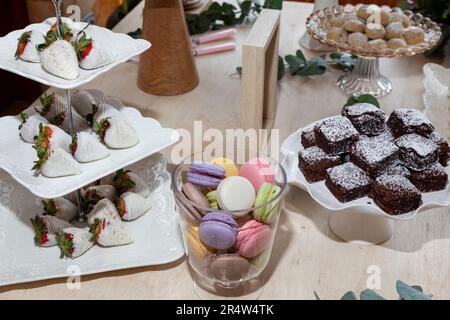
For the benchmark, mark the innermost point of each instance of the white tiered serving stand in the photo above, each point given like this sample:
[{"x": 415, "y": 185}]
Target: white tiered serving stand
[
  {"x": 16, "y": 158},
  {"x": 359, "y": 221}
]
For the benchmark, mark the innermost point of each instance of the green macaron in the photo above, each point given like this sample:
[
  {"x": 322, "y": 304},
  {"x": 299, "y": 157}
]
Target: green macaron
[
  {"x": 212, "y": 199},
  {"x": 266, "y": 192}
]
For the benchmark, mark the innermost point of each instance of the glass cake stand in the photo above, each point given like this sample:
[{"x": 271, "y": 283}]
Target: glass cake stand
[{"x": 366, "y": 77}]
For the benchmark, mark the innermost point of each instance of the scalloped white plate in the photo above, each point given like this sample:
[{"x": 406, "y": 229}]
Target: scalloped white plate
[
  {"x": 157, "y": 234},
  {"x": 320, "y": 193},
  {"x": 17, "y": 156},
  {"x": 126, "y": 48}
]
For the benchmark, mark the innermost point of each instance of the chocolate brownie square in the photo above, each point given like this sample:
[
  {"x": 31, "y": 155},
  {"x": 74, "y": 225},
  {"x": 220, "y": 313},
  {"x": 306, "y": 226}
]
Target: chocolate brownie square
[
  {"x": 313, "y": 162},
  {"x": 347, "y": 182},
  {"x": 433, "y": 178},
  {"x": 396, "y": 169},
  {"x": 373, "y": 155},
  {"x": 366, "y": 118},
  {"x": 395, "y": 194},
  {"x": 403, "y": 121},
  {"x": 442, "y": 146},
  {"x": 417, "y": 152},
  {"x": 308, "y": 138},
  {"x": 335, "y": 135}
]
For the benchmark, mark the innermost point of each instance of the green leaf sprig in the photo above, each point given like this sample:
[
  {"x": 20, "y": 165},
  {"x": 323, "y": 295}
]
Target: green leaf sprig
[
  {"x": 220, "y": 15},
  {"x": 405, "y": 291}
]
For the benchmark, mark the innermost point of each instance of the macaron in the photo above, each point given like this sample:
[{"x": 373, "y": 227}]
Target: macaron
[
  {"x": 228, "y": 267},
  {"x": 195, "y": 246},
  {"x": 236, "y": 194},
  {"x": 257, "y": 171},
  {"x": 212, "y": 200},
  {"x": 253, "y": 238},
  {"x": 218, "y": 230},
  {"x": 205, "y": 174},
  {"x": 266, "y": 193},
  {"x": 195, "y": 195},
  {"x": 230, "y": 168}
]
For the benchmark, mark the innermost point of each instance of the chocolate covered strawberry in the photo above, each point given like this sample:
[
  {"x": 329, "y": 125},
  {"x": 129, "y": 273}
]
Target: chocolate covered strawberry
[
  {"x": 27, "y": 46},
  {"x": 93, "y": 49},
  {"x": 60, "y": 59},
  {"x": 110, "y": 233},
  {"x": 29, "y": 128},
  {"x": 46, "y": 228},
  {"x": 104, "y": 209},
  {"x": 126, "y": 180},
  {"x": 60, "y": 208},
  {"x": 73, "y": 242},
  {"x": 86, "y": 147}
]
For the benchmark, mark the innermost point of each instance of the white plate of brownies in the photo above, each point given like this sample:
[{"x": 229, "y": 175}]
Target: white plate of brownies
[{"x": 393, "y": 165}]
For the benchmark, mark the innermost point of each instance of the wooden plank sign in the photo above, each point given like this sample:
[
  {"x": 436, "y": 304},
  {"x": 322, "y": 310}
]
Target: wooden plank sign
[{"x": 259, "y": 71}]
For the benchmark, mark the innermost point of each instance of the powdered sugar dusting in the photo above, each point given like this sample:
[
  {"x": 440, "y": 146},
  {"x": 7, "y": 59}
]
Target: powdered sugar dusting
[
  {"x": 362, "y": 108},
  {"x": 375, "y": 150},
  {"x": 421, "y": 145},
  {"x": 337, "y": 128},
  {"x": 315, "y": 154},
  {"x": 411, "y": 117},
  {"x": 348, "y": 176},
  {"x": 396, "y": 183}
]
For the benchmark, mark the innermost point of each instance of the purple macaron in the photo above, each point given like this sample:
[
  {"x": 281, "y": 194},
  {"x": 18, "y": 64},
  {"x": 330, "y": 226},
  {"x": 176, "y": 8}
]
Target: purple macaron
[
  {"x": 205, "y": 174},
  {"x": 218, "y": 230}
]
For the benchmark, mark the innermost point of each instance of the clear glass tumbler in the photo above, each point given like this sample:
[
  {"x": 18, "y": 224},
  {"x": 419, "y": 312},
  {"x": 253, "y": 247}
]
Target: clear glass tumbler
[{"x": 220, "y": 273}]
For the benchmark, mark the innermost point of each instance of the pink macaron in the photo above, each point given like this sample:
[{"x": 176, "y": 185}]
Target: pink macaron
[
  {"x": 253, "y": 238},
  {"x": 257, "y": 171}
]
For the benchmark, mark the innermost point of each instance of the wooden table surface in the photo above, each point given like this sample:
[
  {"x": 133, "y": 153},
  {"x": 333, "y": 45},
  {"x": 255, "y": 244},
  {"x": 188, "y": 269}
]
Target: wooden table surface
[{"x": 306, "y": 257}]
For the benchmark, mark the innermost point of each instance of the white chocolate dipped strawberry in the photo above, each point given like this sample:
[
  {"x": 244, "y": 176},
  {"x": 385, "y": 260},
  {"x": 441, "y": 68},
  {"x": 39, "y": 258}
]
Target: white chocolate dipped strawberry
[
  {"x": 116, "y": 133},
  {"x": 86, "y": 102},
  {"x": 29, "y": 128},
  {"x": 73, "y": 242},
  {"x": 94, "y": 194},
  {"x": 54, "y": 136},
  {"x": 60, "y": 59},
  {"x": 94, "y": 49},
  {"x": 55, "y": 162},
  {"x": 127, "y": 181},
  {"x": 54, "y": 109},
  {"x": 27, "y": 46},
  {"x": 46, "y": 228},
  {"x": 60, "y": 208},
  {"x": 109, "y": 233},
  {"x": 132, "y": 206},
  {"x": 86, "y": 147},
  {"x": 104, "y": 209}
]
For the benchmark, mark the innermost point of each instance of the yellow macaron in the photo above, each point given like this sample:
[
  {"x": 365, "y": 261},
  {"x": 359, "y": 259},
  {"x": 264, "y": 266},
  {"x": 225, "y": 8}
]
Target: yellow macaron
[
  {"x": 195, "y": 245},
  {"x": 230, "y": 168}
]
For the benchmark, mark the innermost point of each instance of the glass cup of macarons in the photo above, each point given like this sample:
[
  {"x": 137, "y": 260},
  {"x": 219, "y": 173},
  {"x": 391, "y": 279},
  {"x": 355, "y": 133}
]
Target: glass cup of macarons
[{"x": 229, "y": 216}]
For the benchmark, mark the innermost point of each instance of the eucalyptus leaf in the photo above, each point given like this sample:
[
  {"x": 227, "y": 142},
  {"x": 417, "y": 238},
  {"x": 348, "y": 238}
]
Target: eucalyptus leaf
[
  {"x": 365, "y": 98},
  {"x": 301, "y": 56},
  {"x": 294, "y": 63},
  {"x": 407, "y": 292},
  {"x": 369, "y": 294},
  {"x": 350, "y": 295},
  {"x": 315, "y": 66},
  {"x": 273, "y": 4}
]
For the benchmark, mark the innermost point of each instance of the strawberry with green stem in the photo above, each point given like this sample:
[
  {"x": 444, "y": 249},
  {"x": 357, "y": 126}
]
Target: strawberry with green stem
[
  {"x": 40, "y": 231},
  {"x": 22, "y": 44},
  {"x": 102, "y": 127},
  {"x": 83, "y": 46},
  {"x": 73, "y": 242},
  {"x": 42, "y": 147},
  {"x": 23, "y": 117},
  {"x": 74, "y": 145},
  {"x": 46, "y": 101},
  {"x": 46, "y": 228},
  {"x": 60, "y": 208},
  {"x": 122, "y": 181},
  {"x": 52, "y": 36},
  {"x": 109, "y": 233}
]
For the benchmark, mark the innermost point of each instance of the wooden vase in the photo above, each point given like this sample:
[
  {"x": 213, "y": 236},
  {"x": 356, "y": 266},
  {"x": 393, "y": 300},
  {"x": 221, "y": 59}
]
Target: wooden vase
[{"x": 168, "y": 68}]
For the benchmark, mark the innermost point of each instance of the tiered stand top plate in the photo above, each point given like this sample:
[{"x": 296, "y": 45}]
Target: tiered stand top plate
[{"x": 126, "y": 48}]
